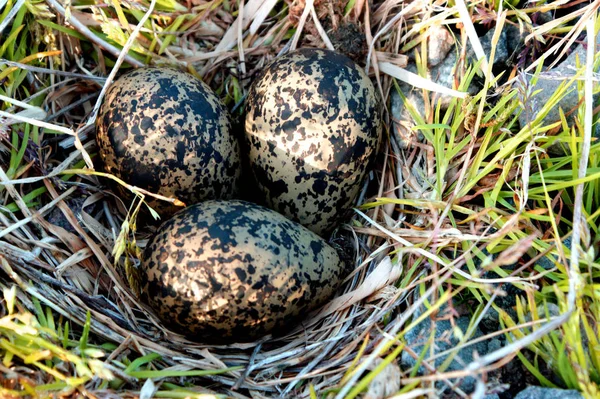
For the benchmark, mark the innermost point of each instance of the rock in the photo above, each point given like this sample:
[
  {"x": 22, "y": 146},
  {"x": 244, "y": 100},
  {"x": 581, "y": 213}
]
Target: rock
[
  {"x": 490, "y": 322},
  {"x": 501, "y": 49},
  {"x": 548, "y": 393},
  {"x": 508, "y": 299},
  {"x": 444, "y": 339},
  {"x": 403, "y": 122},
  {"x": 443, "y": 73},
  {"x": 541, "y": 18},
  {"x": 547, "y": 85},
  {"x": 456, "y": 396},
  {"x": 517, "y": 377},
  {"x": 514, "y": 40},
  {"x": 494, "y": 344},
  {"x": 386, "y": 382},
  {"x": 552, "y": 308},
  {"x": 439, "y": 43},
  {"x": 547, "y": 262}
]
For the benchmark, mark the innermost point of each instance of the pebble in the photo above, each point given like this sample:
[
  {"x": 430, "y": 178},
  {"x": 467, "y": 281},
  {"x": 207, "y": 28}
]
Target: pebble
[
  {"x": 548, "y": 393},
  {"x": 547, "y": 85},
  {"x": 445, "y": 339},
  {"x": 439, "y": 43},
  {"x": 548, "y": 262}
]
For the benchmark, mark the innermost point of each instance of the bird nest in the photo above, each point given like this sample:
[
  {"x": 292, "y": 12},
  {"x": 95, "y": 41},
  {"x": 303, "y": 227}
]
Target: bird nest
[{"x": 68, "y": 242}]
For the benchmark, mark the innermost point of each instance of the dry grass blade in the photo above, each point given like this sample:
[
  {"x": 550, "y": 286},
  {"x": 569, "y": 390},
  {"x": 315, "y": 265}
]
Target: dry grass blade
[
  {"x": 418, "y": 81},
  {"x": 578, "y": 218},
  {"x": 122, "y": 56},
  {"x": 51, "y": 71},
  {"x": 91, "y": 36},
  {"x": 13, "y": 12},
  {"x": 309, "y": 4},
  {"x": 320, "y": 29},
  {"x": 40, "y": 212},
  {"x": 465, "y": 18},
  {"x": 585, "y": 14}
]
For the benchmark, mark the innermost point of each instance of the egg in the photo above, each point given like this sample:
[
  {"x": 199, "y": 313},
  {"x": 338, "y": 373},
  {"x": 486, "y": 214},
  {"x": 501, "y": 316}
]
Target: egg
[
  {"x": 312, "y": 128},
  {"x": 165, "y": 131},
  {"x": 233, "y": 271}
]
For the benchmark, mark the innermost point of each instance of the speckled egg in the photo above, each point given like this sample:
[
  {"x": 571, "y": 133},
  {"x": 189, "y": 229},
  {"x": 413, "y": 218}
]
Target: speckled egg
[
  {"x": 312, "y": 127},
  {"x": 165, "y": 131},
  {"x": 233, "y": 271}
]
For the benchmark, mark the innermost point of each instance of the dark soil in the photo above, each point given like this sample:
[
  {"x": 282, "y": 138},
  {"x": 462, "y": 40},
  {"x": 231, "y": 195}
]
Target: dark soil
[{"x": 349, "y": 40}]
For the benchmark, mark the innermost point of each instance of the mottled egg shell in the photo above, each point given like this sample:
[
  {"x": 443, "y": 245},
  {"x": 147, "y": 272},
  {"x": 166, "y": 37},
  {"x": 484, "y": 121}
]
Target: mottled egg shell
[
  {"x": 233, "y": 271},
  {"x": 312, "y": 127},
  {"x": 165, "y": 131}
]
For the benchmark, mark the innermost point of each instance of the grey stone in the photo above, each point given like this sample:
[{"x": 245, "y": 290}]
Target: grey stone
[
  {"x": 492, "y": 396},
  {"x": 547, "y": 262},
  {"x": 491, "y": 321},
  {"x": 552, "y": 308},
  {"x": 548, "y": 393},
  {"x": 444, "y": 339},
  {"x": 514, "y": 39},
  {"x": 439, "y": 43},
  {"x": 501, "y": 49},
  {"x": 495, "y": 344},
  {"x": 547, "y": 85},
  {"x": 508, "y": 299},
  {"x": 540, "y": 18}
]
